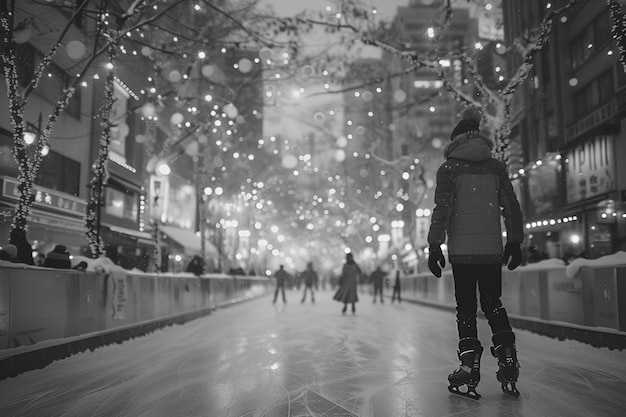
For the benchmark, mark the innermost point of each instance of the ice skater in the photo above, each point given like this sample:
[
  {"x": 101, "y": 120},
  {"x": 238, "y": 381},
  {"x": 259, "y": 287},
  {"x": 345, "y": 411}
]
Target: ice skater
[
  {"x": 473, "y": 191},
  {"x": 310, "y": 280},
  {"x": 281, "y": 276},
  {"x": 376, "y": 278},
  {"x": 348, "y": 281},
  {"x": 396, "y": 288}
]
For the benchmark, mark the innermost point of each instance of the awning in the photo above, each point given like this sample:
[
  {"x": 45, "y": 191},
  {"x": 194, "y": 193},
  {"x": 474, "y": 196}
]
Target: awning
[
  {"x": 189, "y": 241},
  {"x": 127, "y": 231}
]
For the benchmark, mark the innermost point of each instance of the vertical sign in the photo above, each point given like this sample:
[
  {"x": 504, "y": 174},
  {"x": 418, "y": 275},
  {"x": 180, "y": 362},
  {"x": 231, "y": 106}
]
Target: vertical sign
[
  {"x": 590, "y": 169},
  {"x": 119, "y": 295}
]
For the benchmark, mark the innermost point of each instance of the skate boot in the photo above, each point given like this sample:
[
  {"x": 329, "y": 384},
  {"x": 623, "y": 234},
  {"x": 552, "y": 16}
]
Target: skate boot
[
  {"x": 468, "y": 373},
  {"x": 508, "y": 367}
]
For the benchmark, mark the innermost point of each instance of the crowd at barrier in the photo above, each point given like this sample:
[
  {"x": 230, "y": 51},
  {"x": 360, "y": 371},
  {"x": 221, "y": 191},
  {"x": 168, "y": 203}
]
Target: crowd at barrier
[{"x": 44, "y": 304}]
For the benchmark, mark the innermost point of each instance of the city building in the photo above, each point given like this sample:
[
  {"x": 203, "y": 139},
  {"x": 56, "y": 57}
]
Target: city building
[{"x": 568, "y": 116}]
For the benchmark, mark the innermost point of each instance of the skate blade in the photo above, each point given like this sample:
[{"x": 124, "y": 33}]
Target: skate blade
[
  {"x": 510, "y": 389},
  {"x": 470, "y": 393}
]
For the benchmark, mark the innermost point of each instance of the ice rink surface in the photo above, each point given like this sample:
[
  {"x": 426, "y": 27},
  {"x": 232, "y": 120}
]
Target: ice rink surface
[{"x": 256, "y": 359}]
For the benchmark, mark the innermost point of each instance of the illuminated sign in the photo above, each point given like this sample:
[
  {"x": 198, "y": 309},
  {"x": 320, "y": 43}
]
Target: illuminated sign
[
  {"x": 590, "y": 169},
  {"x": 47, "y": 198}
]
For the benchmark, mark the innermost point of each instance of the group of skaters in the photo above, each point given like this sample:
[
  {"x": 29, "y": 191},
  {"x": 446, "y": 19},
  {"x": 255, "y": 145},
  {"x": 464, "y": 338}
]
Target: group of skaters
[
  {"x": 473, "y": 193},
  {"x": 349, "y": 279}
]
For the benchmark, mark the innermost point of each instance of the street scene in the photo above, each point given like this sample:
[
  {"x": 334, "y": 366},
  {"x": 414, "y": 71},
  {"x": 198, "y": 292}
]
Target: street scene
[{"x": 312, "y": 208}]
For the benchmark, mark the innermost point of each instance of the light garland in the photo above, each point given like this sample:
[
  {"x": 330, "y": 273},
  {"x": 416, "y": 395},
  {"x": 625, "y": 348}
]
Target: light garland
[
  {"x": 618, "y": 29},
  {"x": 92, "y": 220}
]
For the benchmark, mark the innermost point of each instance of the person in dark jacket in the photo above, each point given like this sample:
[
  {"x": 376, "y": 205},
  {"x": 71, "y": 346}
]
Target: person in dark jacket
[
  {"x": 310, "y": 280},
  {"x": 376, "y": 278},
  {"x": 196, "y": 266},
  {"x": 281, "y": 276},
  {"x": 396, "y": 288},
  {"x": 473, "y": 192},
  {"x": 18, "y": 238},
  {"x": 348, "y": 281},
  {"x": 59, "y": 257},
  {"x": 8, "y": 253}
]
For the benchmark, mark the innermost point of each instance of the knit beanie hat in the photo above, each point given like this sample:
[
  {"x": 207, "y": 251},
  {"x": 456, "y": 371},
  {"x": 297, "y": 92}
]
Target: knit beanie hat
[
  {"x": 59, "y": 257},
  {"x": 470, "y": 122}
]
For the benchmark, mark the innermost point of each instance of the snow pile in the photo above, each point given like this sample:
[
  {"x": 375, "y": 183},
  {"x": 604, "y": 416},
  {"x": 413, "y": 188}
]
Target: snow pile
[
  {"x": 104, "y": 266},
  {"x": 616, "y": 259},
  {"x": 551, "y": 263}
]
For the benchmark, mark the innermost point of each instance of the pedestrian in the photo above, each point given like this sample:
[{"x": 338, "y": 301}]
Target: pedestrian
[
  {"x": 376, "y": 278},
  {"x": 58, "y": 257},
  {"x": 473, "y": 191},
  {"x": 281, "y": 276},
  {"x": 396, "y": 288},
  {"x": 18, "y": 238},
  {"x": 310, "y": 279},
  {"x": 196, "y": 266},
  {"x": 348, "y": 281},
  {"x": 8, "y": 253}
]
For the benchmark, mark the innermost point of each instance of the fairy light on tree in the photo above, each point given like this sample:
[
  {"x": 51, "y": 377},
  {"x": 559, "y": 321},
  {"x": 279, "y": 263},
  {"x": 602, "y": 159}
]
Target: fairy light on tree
[{"x": 99, "y": 179}]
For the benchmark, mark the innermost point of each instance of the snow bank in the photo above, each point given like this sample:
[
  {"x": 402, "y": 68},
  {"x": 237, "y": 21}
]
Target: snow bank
[
  {"x": 616, "y": 259},
  {"x": 551, "y": 263}
]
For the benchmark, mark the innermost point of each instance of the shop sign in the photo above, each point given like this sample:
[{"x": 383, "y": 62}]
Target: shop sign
[
  {"x": 590, "y": 169},
  {"x": 46, "y": 198}
]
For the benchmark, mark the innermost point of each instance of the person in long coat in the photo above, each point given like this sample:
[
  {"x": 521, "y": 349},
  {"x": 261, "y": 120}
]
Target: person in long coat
[{"x": 347, "y": 292}]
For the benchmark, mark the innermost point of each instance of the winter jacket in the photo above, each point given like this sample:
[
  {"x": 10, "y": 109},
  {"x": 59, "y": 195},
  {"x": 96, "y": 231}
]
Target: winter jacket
[
  {"x": 310, "y": 277},
  {"x": 473, "y": 192}
]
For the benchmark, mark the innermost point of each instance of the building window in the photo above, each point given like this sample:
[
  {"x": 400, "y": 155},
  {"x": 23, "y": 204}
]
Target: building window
[
  {"x": 121, "y": 204},
  {"x": 594, "y": 94},
  {"x": 592, "y": 39},
  {"x": 59, "y": 173},
  {"x": 605, "y": 87},
  {"x": 51, "y": 86}
]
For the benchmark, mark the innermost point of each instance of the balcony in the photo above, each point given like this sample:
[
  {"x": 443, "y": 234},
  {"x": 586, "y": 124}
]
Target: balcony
[{"x": 592, "y": 120}]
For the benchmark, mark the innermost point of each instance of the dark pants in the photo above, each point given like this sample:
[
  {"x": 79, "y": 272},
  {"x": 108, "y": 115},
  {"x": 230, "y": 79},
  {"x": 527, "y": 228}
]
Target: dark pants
[
  {"x": 488, "y": 277},
  {"x": 308, "y": 287},
  {"x": 280, "y": 287},
  {"x": 396, "y": 293},
  {"x": 378, "y": 289}
]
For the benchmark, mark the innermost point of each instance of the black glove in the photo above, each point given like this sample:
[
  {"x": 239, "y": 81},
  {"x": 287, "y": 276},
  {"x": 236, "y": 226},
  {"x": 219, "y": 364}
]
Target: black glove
[
  {"x": 436, "y": 260},
  {"x": 512, "y": 251}
]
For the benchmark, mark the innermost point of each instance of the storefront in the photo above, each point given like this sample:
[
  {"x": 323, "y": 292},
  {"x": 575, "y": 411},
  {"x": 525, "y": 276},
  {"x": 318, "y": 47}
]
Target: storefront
[
  {"x": 182, "y": 244},
  {"x": 591, "y": 193},
  {"x": 545, "y": 226},
  {"x": 56, "y": 218}
]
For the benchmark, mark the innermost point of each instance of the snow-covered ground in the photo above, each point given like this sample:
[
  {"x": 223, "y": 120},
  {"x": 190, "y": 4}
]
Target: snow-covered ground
[{"x": 256, "y": 359}]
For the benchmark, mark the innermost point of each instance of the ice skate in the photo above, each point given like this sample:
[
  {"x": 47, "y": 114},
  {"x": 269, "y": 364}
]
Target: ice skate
[
  {"x": 508, "y": 365},
  {"x": 468, "y": 373}
]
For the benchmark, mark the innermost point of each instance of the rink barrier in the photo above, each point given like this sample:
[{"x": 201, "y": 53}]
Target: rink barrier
[
  {"x": 46, "y": 314},
  {"x": 591, "y": 307}
]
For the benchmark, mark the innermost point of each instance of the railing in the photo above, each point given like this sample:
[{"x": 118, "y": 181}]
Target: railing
[
  {"x": 48, "y": 314},
  {"x": 590, "y": 307}
]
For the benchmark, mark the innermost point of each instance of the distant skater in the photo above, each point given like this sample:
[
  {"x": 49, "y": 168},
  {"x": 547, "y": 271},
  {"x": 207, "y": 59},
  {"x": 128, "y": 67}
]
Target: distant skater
[
  {"x": 348, "y": 281},
  {"x": 396, "y": 288},
  {"x": 310, "y": 279},
  {"x": 281, "y": 276},
  {"x": 377, "y": 281}
]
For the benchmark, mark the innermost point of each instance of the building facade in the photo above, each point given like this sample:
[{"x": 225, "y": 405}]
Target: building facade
[{"x": 568, "y": 116}]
